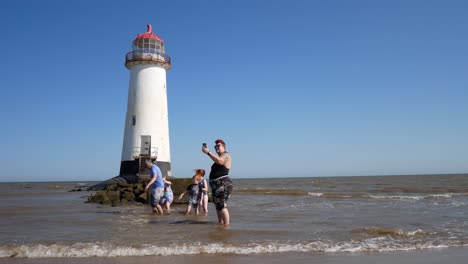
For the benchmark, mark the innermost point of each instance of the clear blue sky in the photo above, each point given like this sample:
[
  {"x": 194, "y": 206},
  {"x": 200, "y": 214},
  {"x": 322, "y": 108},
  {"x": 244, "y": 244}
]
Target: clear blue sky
[{"x": 295, "y": 88}]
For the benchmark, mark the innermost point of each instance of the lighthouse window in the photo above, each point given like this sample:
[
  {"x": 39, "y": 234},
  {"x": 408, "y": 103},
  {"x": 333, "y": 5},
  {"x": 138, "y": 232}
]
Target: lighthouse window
[
  {"x": 133, "y": 120},
  {"x": 148, "y": 45},
  {"x": 139, "y": 43}
]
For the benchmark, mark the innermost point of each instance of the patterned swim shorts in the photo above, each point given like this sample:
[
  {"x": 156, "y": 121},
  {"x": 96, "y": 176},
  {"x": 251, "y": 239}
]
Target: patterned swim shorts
[
  {"x": 156, "y": 194},
  {"x": 221, "y": 189},
  {"x": 168, "y": 197},
  {"x": 193, "y": 201}
]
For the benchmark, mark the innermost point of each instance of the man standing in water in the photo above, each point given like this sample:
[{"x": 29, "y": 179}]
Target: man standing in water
[
  {"x": 220, "y": 182},
  {"x": 157, "y": 186}
]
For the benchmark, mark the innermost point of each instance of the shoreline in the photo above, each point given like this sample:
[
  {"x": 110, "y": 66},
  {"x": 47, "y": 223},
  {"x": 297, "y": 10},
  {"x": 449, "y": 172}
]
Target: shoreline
[{"x": 430, "y": 256}]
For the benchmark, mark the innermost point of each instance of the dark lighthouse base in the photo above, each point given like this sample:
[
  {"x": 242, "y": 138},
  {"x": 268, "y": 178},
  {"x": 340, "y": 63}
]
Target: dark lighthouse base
[
  {"x": 131, "y": 171},
  {"x": 134, "y": 167}
]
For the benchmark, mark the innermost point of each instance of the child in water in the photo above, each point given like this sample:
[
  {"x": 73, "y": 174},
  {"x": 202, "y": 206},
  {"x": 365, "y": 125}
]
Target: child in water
[
  {"x": 192, "y": 191},
  {"x": 168, "y": 195},
  {"x": 203, "y": 194}
]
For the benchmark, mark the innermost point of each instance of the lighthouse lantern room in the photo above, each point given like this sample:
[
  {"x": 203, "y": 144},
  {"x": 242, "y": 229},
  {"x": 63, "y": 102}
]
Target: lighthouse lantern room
[{"x": 146, "y": 134}]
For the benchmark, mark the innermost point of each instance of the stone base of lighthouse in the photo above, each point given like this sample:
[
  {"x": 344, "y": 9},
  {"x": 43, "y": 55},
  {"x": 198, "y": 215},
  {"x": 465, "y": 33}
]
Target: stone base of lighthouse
[
  {"x": 137, "y": 167},
  {"x": 131, "y": 171}
]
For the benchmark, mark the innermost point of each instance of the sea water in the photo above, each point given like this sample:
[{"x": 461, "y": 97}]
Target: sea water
[{"x": 276, "y": 215}]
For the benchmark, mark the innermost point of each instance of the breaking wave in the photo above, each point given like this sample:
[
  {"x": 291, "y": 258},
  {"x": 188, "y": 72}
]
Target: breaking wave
[
  {"x": 352, "y": 195},
  {"x": 391, "y": 232},
  {"x": 396, "y": 196},
  {"x": 105, "y": 249},
  {"x": 273, "y": 191},
  {"x": 295, "y": 192}
]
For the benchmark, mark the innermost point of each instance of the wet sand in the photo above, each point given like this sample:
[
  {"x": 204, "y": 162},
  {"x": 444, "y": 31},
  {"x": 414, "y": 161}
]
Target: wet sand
[{"x": 446, "y": 256}]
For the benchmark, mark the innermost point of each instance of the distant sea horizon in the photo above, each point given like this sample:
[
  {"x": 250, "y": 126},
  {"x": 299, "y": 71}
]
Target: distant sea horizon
[{"x": 274, "y": 177}]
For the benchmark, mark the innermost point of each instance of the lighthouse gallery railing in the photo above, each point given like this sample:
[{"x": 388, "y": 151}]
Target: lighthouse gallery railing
[{"x": 148, "y": 55}]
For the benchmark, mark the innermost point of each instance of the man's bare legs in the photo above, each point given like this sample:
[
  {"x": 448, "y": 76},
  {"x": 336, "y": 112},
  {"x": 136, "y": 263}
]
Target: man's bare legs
[{"x": 158, "y": 209}]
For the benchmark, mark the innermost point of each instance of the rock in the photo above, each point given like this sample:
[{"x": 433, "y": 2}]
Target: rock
[
  {"x": 126, "y": 179},
  {"x": 124, "y": 185},
  {"x": 127, "y": 196},
  {"x": 114, "y": 196},
  {"x": 117, "y": 193},
  {"x": 142, "y": 198},
  {"x": 138, "y": 190},
  {"x": 112, "y": 187},
  {"x": 100, "y": 197}
]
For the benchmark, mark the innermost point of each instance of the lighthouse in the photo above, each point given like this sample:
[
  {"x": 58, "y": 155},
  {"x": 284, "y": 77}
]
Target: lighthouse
[{"x": 146, "y": 133}]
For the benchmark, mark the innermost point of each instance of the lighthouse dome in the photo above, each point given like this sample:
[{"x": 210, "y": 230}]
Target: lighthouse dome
[
  {"x": 148, "y": 48},
  {"x": 148, "y": 40}
]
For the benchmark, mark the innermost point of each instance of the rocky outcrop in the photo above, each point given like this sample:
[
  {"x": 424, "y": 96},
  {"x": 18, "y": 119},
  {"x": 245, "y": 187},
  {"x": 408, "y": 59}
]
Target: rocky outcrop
[
  {"x": 123, "y": 193},
  {"x": 121, "y": 179}
]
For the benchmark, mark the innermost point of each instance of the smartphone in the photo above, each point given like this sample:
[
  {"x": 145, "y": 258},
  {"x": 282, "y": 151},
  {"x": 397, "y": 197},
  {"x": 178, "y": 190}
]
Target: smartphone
[{"x": 204, "y": 145}]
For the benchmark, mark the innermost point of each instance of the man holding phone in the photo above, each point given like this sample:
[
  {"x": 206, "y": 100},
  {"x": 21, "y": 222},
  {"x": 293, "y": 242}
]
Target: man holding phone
[{"x": 220, "y": 182}]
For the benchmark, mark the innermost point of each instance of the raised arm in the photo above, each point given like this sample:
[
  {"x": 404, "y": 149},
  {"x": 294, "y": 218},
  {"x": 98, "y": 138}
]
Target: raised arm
[
  {"x": 166, "y": 181},
  {"x": 224, "y": 159}
]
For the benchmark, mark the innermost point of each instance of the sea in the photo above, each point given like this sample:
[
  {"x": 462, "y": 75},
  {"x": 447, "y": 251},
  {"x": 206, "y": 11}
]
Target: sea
[{"x": 361, "y": 219}]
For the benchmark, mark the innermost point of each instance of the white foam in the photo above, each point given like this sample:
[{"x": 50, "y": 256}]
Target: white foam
[
  {"x": 314, "y": 194},
  {"x": 104, "y": 249},
  {"x": 413, "y": 197},
  {"x": 457, "y": 204},
  {"x": 403, "y": 197},
  {"x": 415, "y": 233}
]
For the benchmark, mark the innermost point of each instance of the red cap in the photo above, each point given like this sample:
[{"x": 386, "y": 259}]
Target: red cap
[
  {"x": 220, "y": 141},
  {"x": 148, "y": 35}
]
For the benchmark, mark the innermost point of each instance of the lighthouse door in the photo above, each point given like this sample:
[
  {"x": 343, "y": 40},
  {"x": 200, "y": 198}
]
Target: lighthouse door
[{"x": 145, "y": 145}]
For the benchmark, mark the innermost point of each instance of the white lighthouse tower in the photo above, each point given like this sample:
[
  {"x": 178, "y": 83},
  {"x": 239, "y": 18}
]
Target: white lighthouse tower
[{"x": 146, "y": 124}]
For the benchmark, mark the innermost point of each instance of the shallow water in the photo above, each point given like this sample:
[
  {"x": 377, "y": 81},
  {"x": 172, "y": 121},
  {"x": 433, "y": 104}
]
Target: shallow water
[{"x": 326, "y": 215}]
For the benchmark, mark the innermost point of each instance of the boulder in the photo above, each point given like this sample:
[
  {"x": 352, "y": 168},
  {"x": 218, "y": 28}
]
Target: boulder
[
  {"x": 142, "y": 198},
  {"x": 100, "y": 197},
  {"x": 127, "y": 196},
  {"x": 117, "y": 193}
]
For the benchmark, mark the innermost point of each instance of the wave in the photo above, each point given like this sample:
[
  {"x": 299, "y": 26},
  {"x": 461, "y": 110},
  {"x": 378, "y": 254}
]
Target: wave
[
  {"x": 314, "y": 194},
  {"x": 362, "y": 195},
  {"x": 106, "y": 249},
  {"x": 416, "y": 190},
  {"x": 397, "y": 197},
  {"x": 418, "y": 197},
  {"x": 273, "y": 191},
  {"x": 372, "y": 230}
]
